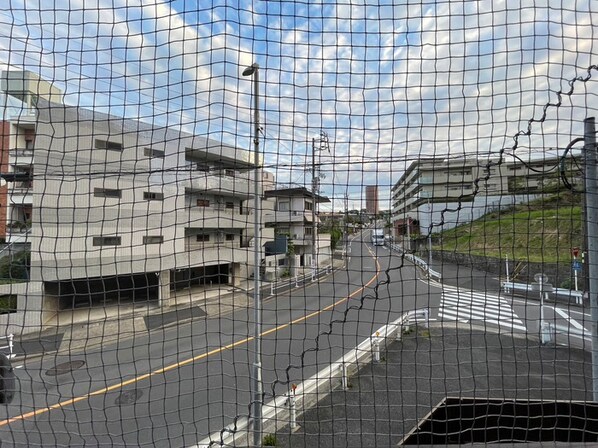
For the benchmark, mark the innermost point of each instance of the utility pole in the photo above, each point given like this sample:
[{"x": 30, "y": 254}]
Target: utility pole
[
  {"x": 315, "y": 186},
  {"x": 430, "y": 239},
  {"x": 256, "y": 383},
  {"x": 346, "y": 226},
  {"x": 591, "y": 196}
]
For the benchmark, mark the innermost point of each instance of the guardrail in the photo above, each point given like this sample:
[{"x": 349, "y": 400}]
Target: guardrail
[
  {"x": 416, "y": 260},
  {"x": 10, "y": 346},
  {"x": 557, "y": 292},
  {"x": 296, "y": 281},
  {"x": 283, "y": 410}
]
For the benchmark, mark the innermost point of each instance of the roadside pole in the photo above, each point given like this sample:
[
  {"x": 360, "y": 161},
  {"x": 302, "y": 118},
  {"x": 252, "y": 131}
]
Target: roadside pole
[{"x": 591, "y": 192}]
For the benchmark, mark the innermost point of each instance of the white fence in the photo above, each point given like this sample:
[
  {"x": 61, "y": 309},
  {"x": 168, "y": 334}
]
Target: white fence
[
  {"x": 283, "y": 410},
  {"x": 10, "y": 346},
  {"x": 509, "y": 287},
  {"x": 416, "y": 260}
]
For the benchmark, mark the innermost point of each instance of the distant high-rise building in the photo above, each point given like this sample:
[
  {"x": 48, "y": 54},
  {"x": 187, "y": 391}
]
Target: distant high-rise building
[{"x": 371, "y": 199}]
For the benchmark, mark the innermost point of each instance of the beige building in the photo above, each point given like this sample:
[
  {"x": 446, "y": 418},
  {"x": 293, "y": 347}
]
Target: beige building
[{"x": 122, "y": 212}]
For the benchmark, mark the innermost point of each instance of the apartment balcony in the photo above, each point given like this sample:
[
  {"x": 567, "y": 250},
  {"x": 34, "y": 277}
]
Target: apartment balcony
[
  {"x": 21, "y": 193},
  {"x": 210, "y": 218},
  {"x": 25, "y": 119},
  {"x": 18, "y": 232},
  {"x": 288, "y": 217},
  {"x": 301, "y": 239},
  {"x": 20, "y": 157},
  {"x": 239, "y": 187},
  {"x": 197, "y": 253}
]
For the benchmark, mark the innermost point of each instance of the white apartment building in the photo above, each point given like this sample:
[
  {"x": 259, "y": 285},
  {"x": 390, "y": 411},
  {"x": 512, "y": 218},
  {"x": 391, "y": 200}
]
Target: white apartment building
[
  {"x": 436, "y": 194},
  {"x": 122, "y": 211},
  {"x": 296, "y": 216}
]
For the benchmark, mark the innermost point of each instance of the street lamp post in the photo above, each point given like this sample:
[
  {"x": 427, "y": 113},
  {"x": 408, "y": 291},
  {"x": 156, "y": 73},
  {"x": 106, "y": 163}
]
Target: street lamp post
[
  {"x": 430, "y": 239},
  {"x": 256, "y": 389}
]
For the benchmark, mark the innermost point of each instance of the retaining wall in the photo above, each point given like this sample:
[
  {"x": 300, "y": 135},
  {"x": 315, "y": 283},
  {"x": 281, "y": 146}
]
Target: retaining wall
[{"x": 557, "y": 272}]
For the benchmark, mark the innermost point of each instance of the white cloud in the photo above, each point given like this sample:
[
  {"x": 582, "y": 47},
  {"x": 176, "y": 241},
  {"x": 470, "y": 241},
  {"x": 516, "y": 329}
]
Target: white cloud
[{"x": 389, "y": 82}]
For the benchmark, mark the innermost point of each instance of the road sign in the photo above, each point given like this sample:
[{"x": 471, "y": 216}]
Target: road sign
[
  {"x": 576, "y": 265},
  {"x": 575, "y": 252},
  {"x": 541, "y": 278}
]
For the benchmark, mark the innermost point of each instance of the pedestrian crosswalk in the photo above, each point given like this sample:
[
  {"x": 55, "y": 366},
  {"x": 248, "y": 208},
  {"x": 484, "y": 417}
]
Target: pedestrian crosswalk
[{"x": 465, "y": 305}]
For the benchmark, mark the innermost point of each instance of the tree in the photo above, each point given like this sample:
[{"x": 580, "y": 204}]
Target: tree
[{"x": 335, "y": 235}]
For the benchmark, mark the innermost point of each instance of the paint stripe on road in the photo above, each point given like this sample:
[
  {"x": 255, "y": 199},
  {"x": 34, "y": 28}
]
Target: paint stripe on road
[
  {"x": 188, "y": 361},
  {"x": 458, "y": 304}
]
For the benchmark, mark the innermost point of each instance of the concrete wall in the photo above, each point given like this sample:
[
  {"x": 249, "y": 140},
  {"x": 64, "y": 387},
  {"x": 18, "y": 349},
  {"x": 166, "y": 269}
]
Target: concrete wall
[{"x": 557, "y": 272}]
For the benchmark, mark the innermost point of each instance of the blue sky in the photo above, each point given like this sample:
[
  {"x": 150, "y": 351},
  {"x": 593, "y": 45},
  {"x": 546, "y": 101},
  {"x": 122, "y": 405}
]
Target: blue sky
[{"x": 389, "y": 81}]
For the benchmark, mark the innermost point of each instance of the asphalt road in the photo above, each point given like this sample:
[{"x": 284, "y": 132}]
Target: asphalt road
[{"x": 176, "y": 386}]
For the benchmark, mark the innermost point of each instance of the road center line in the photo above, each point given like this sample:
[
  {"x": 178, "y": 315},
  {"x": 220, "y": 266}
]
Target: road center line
[{"x": 188, "y": 361}]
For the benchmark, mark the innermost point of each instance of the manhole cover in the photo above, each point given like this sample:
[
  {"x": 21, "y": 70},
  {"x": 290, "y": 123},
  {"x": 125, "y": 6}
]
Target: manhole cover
[
  {"x": 128, "y": 397},
  {"x": 65, "y": 367}
]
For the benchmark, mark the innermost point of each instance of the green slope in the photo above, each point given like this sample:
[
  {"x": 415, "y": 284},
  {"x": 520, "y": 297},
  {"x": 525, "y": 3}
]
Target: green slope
[{"x": 541, "y": 231}]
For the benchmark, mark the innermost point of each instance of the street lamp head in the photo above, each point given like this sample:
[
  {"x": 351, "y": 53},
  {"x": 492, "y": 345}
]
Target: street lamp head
[{"x": 250, "y": 70}]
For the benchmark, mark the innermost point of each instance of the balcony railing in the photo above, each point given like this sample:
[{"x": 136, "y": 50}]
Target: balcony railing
[{"x": 21, "y": 152}]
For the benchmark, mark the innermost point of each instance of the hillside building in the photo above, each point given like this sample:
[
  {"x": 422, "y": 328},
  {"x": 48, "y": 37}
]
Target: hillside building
[{"x": 437, "y": 194}]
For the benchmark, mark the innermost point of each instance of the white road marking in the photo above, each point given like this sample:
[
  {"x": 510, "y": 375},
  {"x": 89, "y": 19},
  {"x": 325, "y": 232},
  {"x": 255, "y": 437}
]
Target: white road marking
[{"x": 465, "y": 305}]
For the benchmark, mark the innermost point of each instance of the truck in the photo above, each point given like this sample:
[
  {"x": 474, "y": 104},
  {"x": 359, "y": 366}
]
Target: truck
[{"x": 377, "y": 237}]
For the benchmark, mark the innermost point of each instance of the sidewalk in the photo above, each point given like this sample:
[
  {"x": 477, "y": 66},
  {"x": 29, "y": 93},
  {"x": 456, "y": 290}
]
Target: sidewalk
[
  {"x": 386, "y": 400},
  {"x": 92, "y": 328},
  {"x": 89, "y": 328}
]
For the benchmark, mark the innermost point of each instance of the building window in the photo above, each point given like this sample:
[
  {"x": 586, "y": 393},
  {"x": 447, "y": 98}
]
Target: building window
[
  {"x": 153, "y": 239},
  {"x": 309, "y": 205},
  {"x": 230, "y": 205},
  {"x": 283, "y": 206},
  {"x": 151, "y": 196},
  {"x": 230, "y": 237},
  {"x": 107, "y": 193},
  {"x": 203, "y": 202},
  {"x": 108, "y": 145},
  {"x": 202, "y": 237},
  {"x": 106, "y": 240},
  {"x": 309, "y": 230},
  {"x": 150, "y": 152},
  {"x": 8, "y": 303},
  {"x": 281, "y": 262}
]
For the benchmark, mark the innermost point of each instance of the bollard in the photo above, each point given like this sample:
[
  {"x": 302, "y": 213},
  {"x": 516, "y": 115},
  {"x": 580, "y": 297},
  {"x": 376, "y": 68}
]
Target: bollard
[
  {"x": 427, "y": 318},
  {"x": 344, "y": 380},
  {"x": 296, "y": 281},
  {"x": 272, "y": 288},
  {"x": 10, "y": 344},
  {"x": 292, "y": 408},
  {"x": 399, "y": 334},
  {"x": 546, "y": 333},
  {"x": 376, "y": 347}
]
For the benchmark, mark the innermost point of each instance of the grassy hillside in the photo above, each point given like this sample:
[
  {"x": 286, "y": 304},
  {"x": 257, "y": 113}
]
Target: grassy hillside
[{"x": 541, "y": 231}]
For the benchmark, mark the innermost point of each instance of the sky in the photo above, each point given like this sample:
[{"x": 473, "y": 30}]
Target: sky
[{"x": 388, "y": 81}]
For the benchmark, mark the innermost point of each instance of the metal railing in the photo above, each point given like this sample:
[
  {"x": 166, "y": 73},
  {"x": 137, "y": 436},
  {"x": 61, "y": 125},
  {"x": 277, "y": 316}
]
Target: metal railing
[
  {"x": 284, "y": 409},
  {"x": 10, "y": 346},
  {"x": 509, "y": 287},
  {"x": 295, "y": 281},
  {"x": 415, "y": 260}
]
